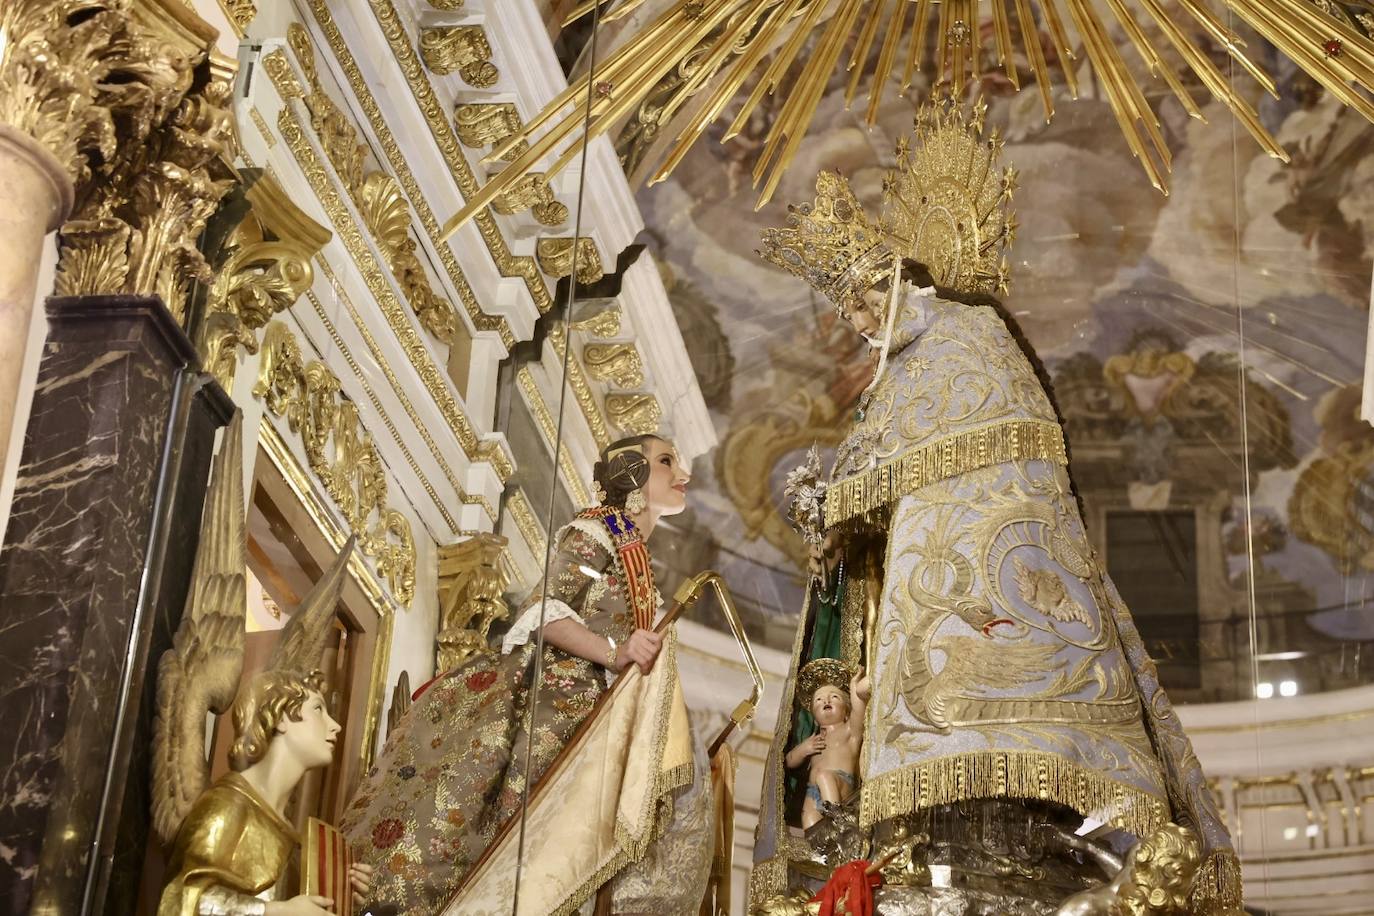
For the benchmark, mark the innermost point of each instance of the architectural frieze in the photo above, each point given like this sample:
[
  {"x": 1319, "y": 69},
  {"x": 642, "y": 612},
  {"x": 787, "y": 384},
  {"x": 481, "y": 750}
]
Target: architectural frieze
[{"x": 417, "y": 352}]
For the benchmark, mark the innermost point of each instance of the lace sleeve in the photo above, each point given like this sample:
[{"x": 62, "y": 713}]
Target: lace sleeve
[{"x": 579, "y": 561}]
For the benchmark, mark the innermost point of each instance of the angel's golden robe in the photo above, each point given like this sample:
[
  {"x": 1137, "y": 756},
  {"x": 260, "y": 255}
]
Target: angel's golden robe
[{"x": 231, "y": 838}]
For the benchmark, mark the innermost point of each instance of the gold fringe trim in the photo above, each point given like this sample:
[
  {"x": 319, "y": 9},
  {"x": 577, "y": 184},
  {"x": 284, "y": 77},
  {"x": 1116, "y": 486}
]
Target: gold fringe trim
[
  {"x": 631, "y": 847},
  {"x": 768, "y": 879},
  {"x": 1009, "y": 440},
  {"x": 1009, "y": 774},
  {"x": 1218, "y": 886}
]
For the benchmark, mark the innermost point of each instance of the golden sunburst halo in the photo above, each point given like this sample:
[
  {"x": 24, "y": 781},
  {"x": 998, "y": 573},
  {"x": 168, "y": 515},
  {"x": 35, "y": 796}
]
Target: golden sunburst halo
[{"x": 797, "y": 45}]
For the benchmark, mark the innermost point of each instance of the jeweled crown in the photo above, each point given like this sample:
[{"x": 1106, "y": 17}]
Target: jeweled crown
[{"x": 830, "y": 244}]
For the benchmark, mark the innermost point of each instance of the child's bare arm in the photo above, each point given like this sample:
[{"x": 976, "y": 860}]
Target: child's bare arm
[{"x": 858, "y": 702}]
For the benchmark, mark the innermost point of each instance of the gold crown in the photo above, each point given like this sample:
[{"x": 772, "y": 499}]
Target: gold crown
[
  {"x": 947, "y": 203},
  {"x": 830, "y": 244},
  {"x": 818, "y": 673}
]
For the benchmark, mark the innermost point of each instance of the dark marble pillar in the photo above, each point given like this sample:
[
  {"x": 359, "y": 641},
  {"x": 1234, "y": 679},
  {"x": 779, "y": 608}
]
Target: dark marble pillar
[{"x": 93, "y": 572}]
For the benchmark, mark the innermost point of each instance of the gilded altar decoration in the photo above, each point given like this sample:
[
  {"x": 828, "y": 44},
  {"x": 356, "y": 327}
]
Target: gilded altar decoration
[
  {"x": 240, "y": 14},
  {"x": 472, "y": 576},
  {"x": 158, "y": 112},
  {"x": 561, "y": 256},
  {"x": 532, "y": 192},
  {"x": 636, "y": 413},
  {"x": 339, "y": 451},
  {"x": 792, "y": 50},
  {"x": 603, "y": 325},
  {"x": 226, "y": 844},
  {"x": 576, "y": 379},
  {"x": 461, "y": 49},
  {"x": 378, "y": 196},
  {"x": 616, "y": 363},
  {"x": 483, "y": 123},
  {"x": 1156, "y": 880},
  {"x": 265, "y": 268}
]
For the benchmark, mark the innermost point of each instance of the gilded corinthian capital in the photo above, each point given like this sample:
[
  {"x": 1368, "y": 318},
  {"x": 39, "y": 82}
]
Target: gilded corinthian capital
[{"x": 133, "y": 83}]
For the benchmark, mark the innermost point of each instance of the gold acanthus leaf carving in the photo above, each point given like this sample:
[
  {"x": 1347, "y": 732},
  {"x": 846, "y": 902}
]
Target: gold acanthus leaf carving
[
  {"x": 533, "y": 193},
  {"x": 559, "y": 256},
  {"x": 637, "y": 413},
  {"x": 617, "y": 363},
  {"x": 480, "y": 123},
  {"x": 164, "y": 175},
  {"x": 378, "y": 196},
  {"x": 472, "y": 576},
  {"x": 446, "y": 4},
  {"x": 461, "y": 49},
  {"x": 240, "y": 14},
  {"x": 339, "y": 451},
  {"x": 265, "y": 268},
  {"x": 54, "y": 60}
]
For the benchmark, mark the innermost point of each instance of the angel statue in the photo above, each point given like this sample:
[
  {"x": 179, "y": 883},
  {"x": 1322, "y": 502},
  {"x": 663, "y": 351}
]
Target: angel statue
[
  {"x": 230, "y": 842},
  {"x": 1012, "y": 705}
]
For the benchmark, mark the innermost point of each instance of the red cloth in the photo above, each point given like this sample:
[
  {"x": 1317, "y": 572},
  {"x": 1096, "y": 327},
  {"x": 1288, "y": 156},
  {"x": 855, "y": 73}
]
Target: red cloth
[{"x": 851, "y": 885}]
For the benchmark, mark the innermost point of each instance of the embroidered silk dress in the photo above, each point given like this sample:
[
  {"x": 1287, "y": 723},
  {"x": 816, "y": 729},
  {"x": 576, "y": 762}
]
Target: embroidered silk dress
[
  {"x": 1004, "y": 664},
  {"x": 453, "y": 771}
]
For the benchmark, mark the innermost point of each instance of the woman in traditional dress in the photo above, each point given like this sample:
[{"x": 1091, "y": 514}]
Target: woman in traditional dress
[{"x": 457, "y": 766}]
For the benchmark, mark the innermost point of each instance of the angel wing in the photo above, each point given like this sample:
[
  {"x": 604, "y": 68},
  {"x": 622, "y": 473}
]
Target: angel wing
[
  {"x": 200, "y": 673},
  {"x": 305, "y": 635}
]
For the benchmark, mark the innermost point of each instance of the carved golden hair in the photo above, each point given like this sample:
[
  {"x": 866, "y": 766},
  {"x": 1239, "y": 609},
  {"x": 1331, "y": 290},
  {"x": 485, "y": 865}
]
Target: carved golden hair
[{"x": 269, "y": 697}]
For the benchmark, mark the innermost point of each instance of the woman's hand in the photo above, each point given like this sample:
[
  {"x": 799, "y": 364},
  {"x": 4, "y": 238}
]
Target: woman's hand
[
  {"x": 640, "y": 649},
  {"x": 302, "y": 905},
  {"x": 360, "y": 876}
]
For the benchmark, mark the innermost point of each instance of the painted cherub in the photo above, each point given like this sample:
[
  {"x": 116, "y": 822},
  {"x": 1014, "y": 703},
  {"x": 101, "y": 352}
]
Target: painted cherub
[{"x": 837, "y": 699}]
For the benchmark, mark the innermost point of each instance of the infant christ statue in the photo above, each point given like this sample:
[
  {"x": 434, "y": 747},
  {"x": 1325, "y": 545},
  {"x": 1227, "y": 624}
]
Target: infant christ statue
[{"x": 832, "y": 753}]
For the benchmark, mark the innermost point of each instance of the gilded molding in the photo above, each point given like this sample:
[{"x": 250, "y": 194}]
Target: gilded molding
[
  {"x": 263, "y": 127},
  {"x": 378, "y": 196},
  {"x": 386, "y": 418},
  {"x": 265, "y": 269},
  {"x": 540, "y": 411},
  {"x": 616, "y": 363},
  {"x": 240, "y": 14},
  {"x": 435, "y": 381},
  {"x": 298, "y": 481},
  {"x": 461, "y": 49},
  {"x": 389, "y": 21},
  {"x": 308, "y": 396},
  {"x": 446, "y": 4},
  {"x": 483, "y": 123},
  {"x": 480, "y": 320},
  {"x": 557, "y": 257},
  {"x": 533, "y": 193},
  {"x": 399, "y": 390},
  {"x": 582, "y": 389},
  {"x": 527, "y": 523},
  {"x": 471, "y": 575},
  {"x": 604, "y": 325},
  {"x": 159, "y": 116},
  {"x": 283, "y": 77},
  {"x": 637, "y": 414}
]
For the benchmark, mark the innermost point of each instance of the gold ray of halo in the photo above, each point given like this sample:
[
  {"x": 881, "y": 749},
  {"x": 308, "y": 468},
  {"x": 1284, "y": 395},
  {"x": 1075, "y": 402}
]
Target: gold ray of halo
[{"x": 808, "y": 37}]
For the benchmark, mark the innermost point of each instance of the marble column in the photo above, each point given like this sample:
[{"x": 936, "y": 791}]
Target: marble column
[
  {"x": 96, "y": 556},
  {"x": 35, "y": 197}
]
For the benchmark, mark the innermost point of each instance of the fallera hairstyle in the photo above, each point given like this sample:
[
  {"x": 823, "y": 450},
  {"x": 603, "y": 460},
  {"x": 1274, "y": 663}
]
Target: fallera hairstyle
[
  {"x": 625, "y": 472},
  {"x": 270, "y": 696}
]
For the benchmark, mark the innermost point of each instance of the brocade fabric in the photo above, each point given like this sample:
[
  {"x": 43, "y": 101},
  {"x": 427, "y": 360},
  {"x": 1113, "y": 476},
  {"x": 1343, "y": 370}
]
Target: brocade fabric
[{"x": 453, "y": 771}]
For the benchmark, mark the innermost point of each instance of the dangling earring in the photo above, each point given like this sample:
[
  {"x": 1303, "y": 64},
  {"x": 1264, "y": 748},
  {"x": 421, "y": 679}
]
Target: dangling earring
[
  {"x": 600, "y": 493},
  {"x": 635, "y": 503}
]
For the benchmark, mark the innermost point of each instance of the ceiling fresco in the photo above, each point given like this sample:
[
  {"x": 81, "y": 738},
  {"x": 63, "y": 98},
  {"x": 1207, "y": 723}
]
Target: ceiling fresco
[{"x": 1206, "y": 347}]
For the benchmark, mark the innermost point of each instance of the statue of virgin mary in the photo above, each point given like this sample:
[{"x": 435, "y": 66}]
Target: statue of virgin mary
[{"x": 1017, "y": 741}]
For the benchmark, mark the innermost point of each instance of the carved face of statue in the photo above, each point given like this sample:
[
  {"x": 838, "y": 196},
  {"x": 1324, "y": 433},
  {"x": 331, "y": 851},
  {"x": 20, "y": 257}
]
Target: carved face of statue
[
  {"x": 311, "y": 738},
  {"x": 867, "y": 316},
  {"x": 666, "y": 489},
  {"x": 830, "y": 705}
]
